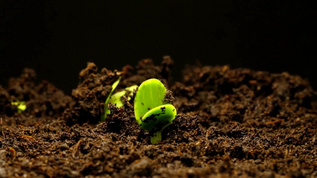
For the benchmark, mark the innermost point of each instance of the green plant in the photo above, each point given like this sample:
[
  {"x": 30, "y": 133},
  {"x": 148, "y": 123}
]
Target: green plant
[
  {"x": 151, "y": 112},
  {"x": 20, "y": 105},
  {"x": 116, "y": 98}
]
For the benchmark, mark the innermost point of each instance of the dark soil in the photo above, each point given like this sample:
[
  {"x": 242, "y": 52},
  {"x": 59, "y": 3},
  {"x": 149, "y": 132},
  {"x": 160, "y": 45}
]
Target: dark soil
[{"x": 230, "y": 123}]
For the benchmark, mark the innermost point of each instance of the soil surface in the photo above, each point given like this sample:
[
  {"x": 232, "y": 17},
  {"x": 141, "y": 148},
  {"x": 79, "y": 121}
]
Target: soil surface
[{"x": 230, "y": 123}]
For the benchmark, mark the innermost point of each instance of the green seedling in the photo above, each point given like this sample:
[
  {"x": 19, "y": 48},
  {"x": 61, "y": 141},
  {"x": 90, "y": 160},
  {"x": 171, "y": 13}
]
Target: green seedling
[
  {"x": 150, "y": 110},
  {"x": 20, "y": 105},
  {"x": 116, "y": 98},
  {"x": 106, "y": 109}
]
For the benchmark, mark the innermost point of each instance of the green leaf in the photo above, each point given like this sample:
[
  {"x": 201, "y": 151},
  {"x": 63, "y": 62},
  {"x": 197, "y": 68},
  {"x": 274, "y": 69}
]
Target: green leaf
[
  {"x": 158, "y": 118},
  {"x": 20, "y": 105},
  {"x": 114, "y": 86},
  {"x": 107, "y": 111},
  {"x": 150, "y": 111},
  {"x": 116, "y": 98},
  {"x": 150, "y": 94}
]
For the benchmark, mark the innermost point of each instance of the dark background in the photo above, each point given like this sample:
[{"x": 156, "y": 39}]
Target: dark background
[{"x": 57, "y": 38}]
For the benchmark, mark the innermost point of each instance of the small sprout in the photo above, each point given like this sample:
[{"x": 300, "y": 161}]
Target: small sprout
[
  {"x": 116, "y": 98},
  {"x": 20, "y": 105},
  {"x": 106, "y": 109},
  {"x": 150, "y": 111}
]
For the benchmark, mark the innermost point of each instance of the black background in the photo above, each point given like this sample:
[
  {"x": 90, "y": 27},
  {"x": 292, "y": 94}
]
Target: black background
[{"x": 57, "y": 38}]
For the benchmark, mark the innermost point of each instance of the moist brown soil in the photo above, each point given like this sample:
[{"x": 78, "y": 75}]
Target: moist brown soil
[{"x": 230, "y": 123}]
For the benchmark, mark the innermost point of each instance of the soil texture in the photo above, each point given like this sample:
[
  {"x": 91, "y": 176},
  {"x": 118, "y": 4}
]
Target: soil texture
[{"x": 230, "y": 123}]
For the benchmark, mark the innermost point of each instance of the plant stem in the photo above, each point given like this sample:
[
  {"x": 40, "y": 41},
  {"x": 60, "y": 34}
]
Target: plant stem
[{"x": 156, "y": 137}]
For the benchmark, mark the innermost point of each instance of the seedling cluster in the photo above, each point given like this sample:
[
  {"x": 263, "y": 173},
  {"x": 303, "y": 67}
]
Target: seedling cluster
[{"x": 150, "y": 110}]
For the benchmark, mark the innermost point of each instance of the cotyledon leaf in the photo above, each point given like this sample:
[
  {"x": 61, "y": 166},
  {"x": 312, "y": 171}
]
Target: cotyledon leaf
[
  {"x": 107, "y": 111},
  {"x": 116, "y": 98},
  {"x": 150, "y": 94},
  {"x": 20, "y": 105},
  {"x": 158, "y": 118}
]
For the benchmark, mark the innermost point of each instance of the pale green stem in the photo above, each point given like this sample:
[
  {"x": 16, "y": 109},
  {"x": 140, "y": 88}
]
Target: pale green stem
[{"x": 157, "y": 136}]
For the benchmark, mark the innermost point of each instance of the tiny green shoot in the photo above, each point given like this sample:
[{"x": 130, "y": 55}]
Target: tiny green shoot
[
  {"x": 150, "y": 111},
  {"x": 20, "y": 105},
  {"x": 106, "y": 109},
  {"x": 116, "y": 98}
]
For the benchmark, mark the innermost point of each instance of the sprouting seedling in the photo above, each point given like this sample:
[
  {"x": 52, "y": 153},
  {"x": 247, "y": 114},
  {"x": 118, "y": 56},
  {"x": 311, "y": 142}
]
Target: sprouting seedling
[
  {"x": 116, "y": 98},
  {"x": 106, "y": 109},
  {"x": 20, "y": 105},
  {"x": 150, "y": 111}
]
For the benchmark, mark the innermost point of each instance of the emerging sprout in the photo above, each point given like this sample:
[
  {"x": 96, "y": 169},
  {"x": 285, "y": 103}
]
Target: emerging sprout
[
  {"x": 150, "y": 111},
  {"x": 106, "y": 109},
  {"x": 116, "y": 98},
  {"x": 20, "y": 105}
]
